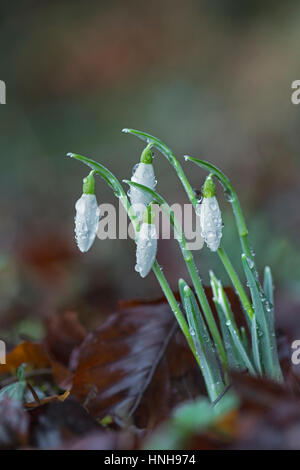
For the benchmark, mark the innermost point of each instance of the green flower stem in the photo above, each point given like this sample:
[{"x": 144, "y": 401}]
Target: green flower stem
[
  {"x": 189, "y": 260},
  {"x": 236, "y": 282},
  {"x": 120, "y": 193},
  {"x": 207, "y": 311},
  {"x": 204, "y": 347},
  {"x": 174, "y": 306},
  {"x": 243, "y": 232}
]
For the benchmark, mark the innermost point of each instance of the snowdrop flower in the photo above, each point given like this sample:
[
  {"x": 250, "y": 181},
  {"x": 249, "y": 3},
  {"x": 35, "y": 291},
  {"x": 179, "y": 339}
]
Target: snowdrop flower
[
  {"x": 210, "y": 215},
  {"x": 143, "y": 173},
  {"x": 87, "y": 215},
  {"x": 146, "y": 244}
]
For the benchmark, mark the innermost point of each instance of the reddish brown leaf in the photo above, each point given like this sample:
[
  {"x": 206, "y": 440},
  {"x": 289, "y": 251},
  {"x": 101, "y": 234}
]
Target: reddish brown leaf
[
  {"x": 137, "y": 363},
  {"x": 64, "y": 333},
  {"x": 269, "y": 415},
  {"x": 62, "y": 375}
]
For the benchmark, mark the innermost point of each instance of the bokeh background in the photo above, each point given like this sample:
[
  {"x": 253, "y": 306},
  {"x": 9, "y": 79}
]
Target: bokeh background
[{"x": 211, "y": 78}]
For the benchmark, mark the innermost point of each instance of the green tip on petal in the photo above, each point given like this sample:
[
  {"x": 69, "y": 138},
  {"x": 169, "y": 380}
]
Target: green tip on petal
[
  {"x": 146, "y": 156},
  {"x": 209, "y": 188},
  {"x": 88, "y": 186}
]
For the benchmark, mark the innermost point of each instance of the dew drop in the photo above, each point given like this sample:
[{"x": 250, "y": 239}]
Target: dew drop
[
  {"x": 198, "y": 195},
  {"x": 228, "y": 196}
]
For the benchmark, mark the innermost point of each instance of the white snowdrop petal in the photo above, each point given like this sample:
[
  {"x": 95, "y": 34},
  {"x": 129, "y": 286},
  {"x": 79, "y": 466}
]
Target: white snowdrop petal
[
  {"x": 86, "y": 221},
  {"x": 146, "y": 249},
  {"x": 211, "y": 222},
  {"x": 143, "y": 174}
]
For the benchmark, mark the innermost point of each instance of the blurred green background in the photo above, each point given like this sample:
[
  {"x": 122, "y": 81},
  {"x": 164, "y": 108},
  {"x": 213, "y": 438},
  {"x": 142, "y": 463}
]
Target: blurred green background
[{"x": 210, "y": 78}]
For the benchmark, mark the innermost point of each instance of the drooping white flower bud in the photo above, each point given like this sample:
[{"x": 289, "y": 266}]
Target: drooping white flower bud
[
  {"x": 143, "y": 173},
  {"x": 87, "y": 215},
  {"x": 210, "y": 216},
  {"x": 146, "y": 245}
]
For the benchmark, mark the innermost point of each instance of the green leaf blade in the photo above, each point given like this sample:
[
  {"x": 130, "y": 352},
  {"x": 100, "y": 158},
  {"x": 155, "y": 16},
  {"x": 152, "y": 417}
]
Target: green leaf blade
[
  {"x": 255, "y": 345},
  {"x": 267, "y": 340},
  {"x": 204, "y": 347}
]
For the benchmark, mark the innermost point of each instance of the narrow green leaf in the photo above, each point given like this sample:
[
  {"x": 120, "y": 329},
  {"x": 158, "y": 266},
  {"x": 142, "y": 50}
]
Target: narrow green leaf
[
  {"x": 268, "y": 285},
  {"x": 233, "y": 329},
  {"x": 267, "y": 341},
  {"x": 269, "y": 306},
  {"x": 233, "y": 359},
  {"x": 255, "y": 345},
  {"x": 244, "y": 338},
  {"x": 203, "y": 344}
]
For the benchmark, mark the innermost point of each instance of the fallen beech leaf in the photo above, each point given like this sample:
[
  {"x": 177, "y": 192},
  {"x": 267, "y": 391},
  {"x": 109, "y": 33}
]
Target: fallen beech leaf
[
  {"x": 64, "y": 333},
  {"x": 269, "y": 416},
  {"x": 137, "y": 363},
  {"x": 62, "y": 375},
  {"x": 258, "y": 393},
  {"x": 33, "y": 354}
]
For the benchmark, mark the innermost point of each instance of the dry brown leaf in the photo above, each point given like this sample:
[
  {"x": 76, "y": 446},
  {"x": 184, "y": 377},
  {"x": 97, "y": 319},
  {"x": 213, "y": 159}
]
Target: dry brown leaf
[
  {"x": 137, "y": 363},
  {"x": 33, "y": 354}
]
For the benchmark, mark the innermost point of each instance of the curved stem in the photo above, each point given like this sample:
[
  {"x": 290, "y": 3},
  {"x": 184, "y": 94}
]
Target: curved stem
[
  {"x": 120, "y": 193},
  {"x": 164, "y": 149},
  {"x": 242, "y": 229},
  {"x": 174, "y": 305}
]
